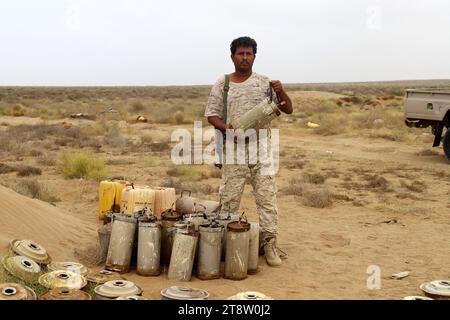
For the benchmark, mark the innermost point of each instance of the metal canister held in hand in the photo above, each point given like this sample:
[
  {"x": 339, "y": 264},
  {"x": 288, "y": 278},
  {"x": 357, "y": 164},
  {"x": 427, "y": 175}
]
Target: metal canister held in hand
[{"x": 259, "y": 116}]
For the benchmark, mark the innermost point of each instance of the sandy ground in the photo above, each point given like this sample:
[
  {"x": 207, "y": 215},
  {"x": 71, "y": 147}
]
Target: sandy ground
[{"x": 329, "y": 249}]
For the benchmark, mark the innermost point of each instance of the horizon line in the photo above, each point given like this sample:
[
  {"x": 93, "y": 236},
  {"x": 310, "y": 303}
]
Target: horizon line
[{"x": 208, "y": 85}]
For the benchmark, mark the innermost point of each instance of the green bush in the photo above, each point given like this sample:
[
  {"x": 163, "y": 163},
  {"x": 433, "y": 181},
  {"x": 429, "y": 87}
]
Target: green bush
[{"x": 80, "y": 165}]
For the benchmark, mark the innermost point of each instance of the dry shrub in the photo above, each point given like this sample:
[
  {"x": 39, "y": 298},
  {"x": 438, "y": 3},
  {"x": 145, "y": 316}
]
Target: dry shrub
[
  {"x": 406, "y": 195},
  {"x": 160, "y": 146},
  {"x": 295, "y": 164},
  {"x": 90, "y": 142},
  {"x": 46, "y": 160},
  {"x": 415, "y": 186},
  {"x": 137, "y": 106},
  {"x": 187, "y": 171},
  {"x": 172, "y": 183},
  {"x": 146, "y": 138},
  {"x": 120, "y": 161},
  {"x": 359, "y": 203},
  {"x": 195, "y": 188},
  {"x": 207, "y": 189},
  {"x": 387, "y": 97},
  {"x": 34, "y": 189},
  {"x": 317, "y": 197},
  {"x": 4, "y": 168},
  {"x": 179, "y": 117},
  {"x": 320, "y": 107},
  {"x": 35, "y": 153},
  {"x": 378, "y": 182},
  {"x": 62, "y": 141},
  {"x": 28, "y": 171},
  {"x": 343, "y": 197},
  {"x": 313, "y": 178},
  {"x": 330, "y": 124},
  {"x": 295, "y": 187},
  {"x": 352, "y": 99},
  {"x": 18, "y": 111},
  {"x": 114, "y": 138}
]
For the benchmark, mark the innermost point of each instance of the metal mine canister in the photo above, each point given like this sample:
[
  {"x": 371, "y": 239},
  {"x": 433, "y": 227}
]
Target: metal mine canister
[
  {"x": 236, "y": 256},
  {"x": 22, "y": 268},
  {"x": 224, "y": 219},
  {"x": 62, "y": 293},
  {"x": 121, "y": 243},
  {"x": 183, "y": 293},
  {"x": 149, "y": 248},
  {"x": 168, "y": 220},
  {"x": 250, "y": 295},
  {"x": 253, "y": 251},
  {"x": 15, "y": 291},
  {"x": 258, "y": 117},
  {"x": 102, "y": 276},
  {"x": 197, "y": 218},
  {"x": 117, "y": 288},
  {"x": 30, "y": 249},
  {"x": 104, "y": 235},
  {"x": 62, "y": 278},
  {"x": 70, "y": 266},
  {"x": 209, "y": 251},
  {"x": 183, "y": 253}
]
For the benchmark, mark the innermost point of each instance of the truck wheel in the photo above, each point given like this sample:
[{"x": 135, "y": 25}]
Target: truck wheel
[{"x": 446, "y": 143}]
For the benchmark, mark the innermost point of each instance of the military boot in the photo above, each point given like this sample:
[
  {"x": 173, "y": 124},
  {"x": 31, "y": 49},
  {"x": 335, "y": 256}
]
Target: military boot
[{"x": 270, "y": 251}]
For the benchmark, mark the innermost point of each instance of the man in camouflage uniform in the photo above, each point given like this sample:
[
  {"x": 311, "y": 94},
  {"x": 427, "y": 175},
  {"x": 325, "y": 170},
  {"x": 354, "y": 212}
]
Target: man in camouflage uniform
[{"x": 246, "y": 90}]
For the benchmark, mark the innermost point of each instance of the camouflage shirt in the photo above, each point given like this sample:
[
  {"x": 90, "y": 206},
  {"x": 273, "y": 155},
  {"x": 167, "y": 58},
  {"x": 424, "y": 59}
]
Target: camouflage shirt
[{"x": 242, "y": 97}]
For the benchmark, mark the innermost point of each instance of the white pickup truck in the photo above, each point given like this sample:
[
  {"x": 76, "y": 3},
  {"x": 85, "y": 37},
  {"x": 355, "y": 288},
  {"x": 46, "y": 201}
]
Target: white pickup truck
[{"x": 424, "y": 108}]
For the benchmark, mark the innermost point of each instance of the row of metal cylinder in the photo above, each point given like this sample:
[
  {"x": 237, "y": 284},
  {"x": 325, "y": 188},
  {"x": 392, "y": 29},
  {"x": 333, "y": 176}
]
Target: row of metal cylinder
[{"x": 181, "y": 242}]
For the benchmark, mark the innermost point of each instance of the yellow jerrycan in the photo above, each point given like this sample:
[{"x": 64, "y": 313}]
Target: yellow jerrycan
[{"x": 110, "y": 196}]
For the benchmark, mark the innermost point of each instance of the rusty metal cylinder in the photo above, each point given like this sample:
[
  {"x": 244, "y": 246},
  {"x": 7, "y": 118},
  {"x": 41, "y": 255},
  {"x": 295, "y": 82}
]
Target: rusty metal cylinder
[
  {"x": 121, "y": 243},
  {"x": 149, "y": 248},
  {"x": 224, "y": 219},
  {"x": 168, "y": 220},
  {"x": 183, "y": 253},
  {"x": 253, "y": 251},
  {"x": 209, "y": 251},
  {"x": 236, "y": 256}
]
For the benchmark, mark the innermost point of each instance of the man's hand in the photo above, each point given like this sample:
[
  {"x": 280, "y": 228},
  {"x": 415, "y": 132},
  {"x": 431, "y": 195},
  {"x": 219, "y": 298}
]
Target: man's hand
[
  {"x": 285, "y": 103},
  {"x": 277, "y": 86}
]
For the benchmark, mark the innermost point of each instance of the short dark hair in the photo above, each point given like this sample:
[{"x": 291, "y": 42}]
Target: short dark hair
[{"x": 243, "y": 42}]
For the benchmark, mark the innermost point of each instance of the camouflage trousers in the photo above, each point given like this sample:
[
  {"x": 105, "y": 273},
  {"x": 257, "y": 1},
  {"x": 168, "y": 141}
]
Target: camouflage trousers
[{"x": 264, "y": 191}]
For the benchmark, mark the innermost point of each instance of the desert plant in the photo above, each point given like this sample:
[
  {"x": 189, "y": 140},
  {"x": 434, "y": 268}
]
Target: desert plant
[
  {"x": 185, "y": 171},
  {"x": 28, "y": 171},
  {"x": 317, "y": 197},
  {"x": 34, "y": 189},
  {"x": 80, "y": 165}
]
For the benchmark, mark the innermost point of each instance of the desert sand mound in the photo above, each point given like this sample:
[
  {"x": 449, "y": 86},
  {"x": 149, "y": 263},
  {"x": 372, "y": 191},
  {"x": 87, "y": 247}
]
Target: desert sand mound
[{"x": 58, "y": 231}]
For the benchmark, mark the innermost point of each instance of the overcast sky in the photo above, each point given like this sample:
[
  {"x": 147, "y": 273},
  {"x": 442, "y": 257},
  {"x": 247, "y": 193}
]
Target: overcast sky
[{"x": 176, "y": 42}]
